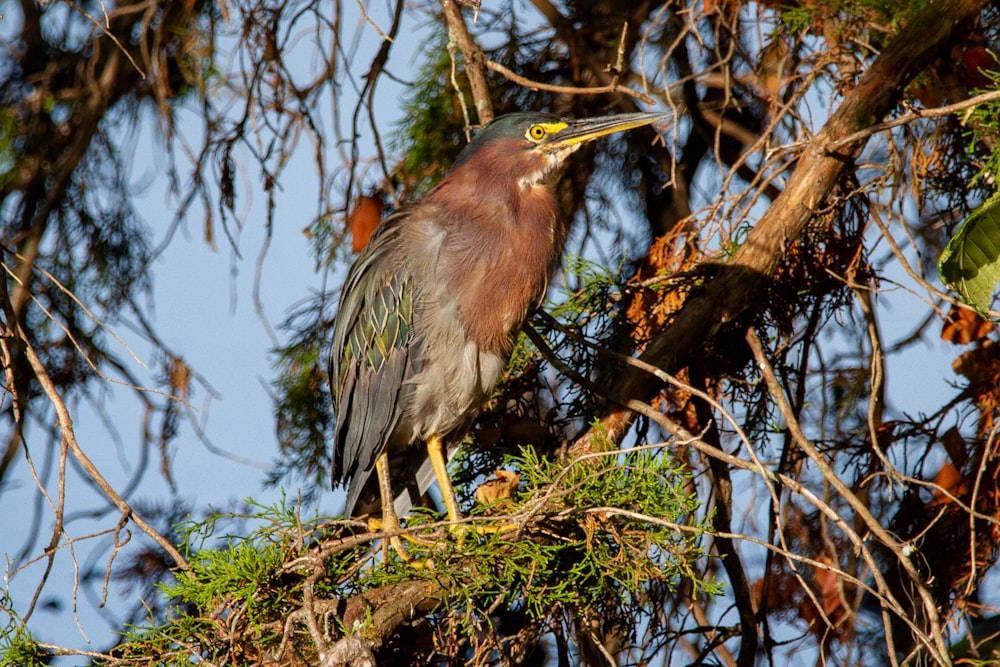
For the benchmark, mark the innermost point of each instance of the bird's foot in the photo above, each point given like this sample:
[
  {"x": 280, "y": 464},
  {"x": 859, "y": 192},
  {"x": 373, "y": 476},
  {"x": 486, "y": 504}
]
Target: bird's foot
[
  {"x": 395, "y": 541},
  {"x": 498, "y": 527},
  {"x": 461, "y": 532},
  {"x": 377, "y": 525}
]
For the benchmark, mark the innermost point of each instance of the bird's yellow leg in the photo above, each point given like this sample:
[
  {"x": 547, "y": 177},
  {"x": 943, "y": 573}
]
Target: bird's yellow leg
[
  {"x": 390, "y": 522},
  {"x": 435, "y": 449}
]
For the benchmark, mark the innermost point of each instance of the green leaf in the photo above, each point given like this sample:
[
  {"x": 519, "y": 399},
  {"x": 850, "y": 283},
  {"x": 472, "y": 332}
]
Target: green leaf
[{"x": 970, "y": 263}]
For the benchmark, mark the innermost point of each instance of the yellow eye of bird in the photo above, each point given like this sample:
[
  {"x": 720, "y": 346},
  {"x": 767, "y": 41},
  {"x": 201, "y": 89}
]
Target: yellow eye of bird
[{"x": 536, "y": 132}]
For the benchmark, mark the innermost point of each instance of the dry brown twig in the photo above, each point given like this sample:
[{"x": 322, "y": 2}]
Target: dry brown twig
[
  {"x": 568, "y": 90},
  {"x": 69, "y": 441},
  {"x": 475, "y": 70},
  {"x": 107, "y": 33},
  {"x": 369, "y": 21},
  {"x": 915, "y": 114},
  {"x": 935, "y": 643},
  {"x": 611, "y": 88}
]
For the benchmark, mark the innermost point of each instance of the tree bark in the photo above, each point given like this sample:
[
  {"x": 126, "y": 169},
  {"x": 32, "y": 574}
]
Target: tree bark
[{"x": 743, "y": 283}]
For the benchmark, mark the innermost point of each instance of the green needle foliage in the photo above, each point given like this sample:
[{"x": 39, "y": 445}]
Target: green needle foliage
[
  {"x": 235, "y": 578},
  {"x": 615, "y": 516},
  {"x": 590, "y": 540},
  {"x": 18, "y": 648}
]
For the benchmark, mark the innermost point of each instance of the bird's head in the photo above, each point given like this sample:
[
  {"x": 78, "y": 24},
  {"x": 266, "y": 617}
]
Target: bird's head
[{"x": 535, "y": 145}]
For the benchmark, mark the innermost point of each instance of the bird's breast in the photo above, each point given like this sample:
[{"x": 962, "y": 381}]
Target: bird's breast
[
  {"x": 480, "y": 273},
  {"x": 457, "y": 375},
  {"x": 501, "y": 276}
]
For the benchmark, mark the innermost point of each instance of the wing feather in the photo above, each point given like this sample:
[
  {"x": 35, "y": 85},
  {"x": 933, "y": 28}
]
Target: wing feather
[{"x": 371, "y": 357}]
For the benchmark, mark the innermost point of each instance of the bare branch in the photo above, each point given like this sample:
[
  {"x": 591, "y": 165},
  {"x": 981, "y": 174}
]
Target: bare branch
[
  {"x": 69, "y": 440},
  {"x": 473, "y": 58},
  {"x": 611, "y": 88}
]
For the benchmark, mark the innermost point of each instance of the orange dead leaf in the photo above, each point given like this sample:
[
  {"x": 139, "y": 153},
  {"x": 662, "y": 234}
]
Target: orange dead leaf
[
  {"x": 830, "y": 594},
  {"x": 952, "y": 481},
  {"x": 363, "y": 219},
  {"x": 179, "y": 378},
  {"x": 980, "y": 366},
  {"x": 772, "y": 69},
  {"x": 501, "y": 488},
  {"x": 964, "y": 325}
]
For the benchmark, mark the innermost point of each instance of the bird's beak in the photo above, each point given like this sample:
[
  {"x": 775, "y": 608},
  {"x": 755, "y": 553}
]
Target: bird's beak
[{"x": 581, "y": 131}]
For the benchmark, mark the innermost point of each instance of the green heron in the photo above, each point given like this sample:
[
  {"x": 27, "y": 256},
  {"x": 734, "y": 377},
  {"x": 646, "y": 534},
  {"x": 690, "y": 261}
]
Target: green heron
[{"x": 431, "y": 307}]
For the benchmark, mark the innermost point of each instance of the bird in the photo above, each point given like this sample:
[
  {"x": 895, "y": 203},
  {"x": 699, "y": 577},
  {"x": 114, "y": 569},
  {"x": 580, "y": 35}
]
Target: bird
[{"x": 431, "y": 308}]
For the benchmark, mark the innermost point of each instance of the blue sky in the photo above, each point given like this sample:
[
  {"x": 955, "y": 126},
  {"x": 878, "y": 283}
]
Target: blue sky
[{"x": 204, "y": 310}]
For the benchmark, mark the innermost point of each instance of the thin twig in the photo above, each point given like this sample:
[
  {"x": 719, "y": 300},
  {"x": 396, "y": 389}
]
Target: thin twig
[
  {"x": 474, "y": 60},
  {"x": 613, "y": 87},
  {"x": 69, "y": 438},
  {"x": 107, "y": 33},
  {"x": 78, "y": 302},
  {"x": 916, "y": 114},
  {"x": 76, "y": 343},
  {"x": 935, "y": 644},
  {"x": 369, "y": 21}
]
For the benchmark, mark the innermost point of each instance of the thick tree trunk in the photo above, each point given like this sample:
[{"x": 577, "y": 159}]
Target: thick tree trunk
[{"x": 743, "y": 282}]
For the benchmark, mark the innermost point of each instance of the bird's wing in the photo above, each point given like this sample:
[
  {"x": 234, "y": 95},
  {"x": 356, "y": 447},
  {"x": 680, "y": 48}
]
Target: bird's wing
[{"x": 370, "y": 358}]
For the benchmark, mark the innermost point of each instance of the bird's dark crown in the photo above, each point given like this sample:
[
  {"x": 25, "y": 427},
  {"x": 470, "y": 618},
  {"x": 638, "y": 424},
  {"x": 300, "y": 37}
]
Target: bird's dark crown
[
  {"x": 551, "y": 135},
  {"x": 510, "y": 126}
]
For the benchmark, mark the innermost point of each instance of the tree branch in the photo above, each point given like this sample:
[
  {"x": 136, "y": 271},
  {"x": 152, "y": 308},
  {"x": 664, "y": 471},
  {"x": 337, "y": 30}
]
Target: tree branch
[
  {"x": 744, "y": 281},
  {"x": 69, "y": 438},
  {"x": 474, "y": 60},
  {"x": 611, "y": 88},
  {"x": 833, "y": 479}
]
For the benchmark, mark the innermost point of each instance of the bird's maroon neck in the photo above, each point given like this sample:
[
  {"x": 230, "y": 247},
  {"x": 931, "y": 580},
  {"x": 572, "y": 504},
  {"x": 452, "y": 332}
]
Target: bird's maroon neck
[{"x": 501, "y": 244}]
